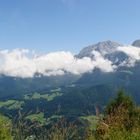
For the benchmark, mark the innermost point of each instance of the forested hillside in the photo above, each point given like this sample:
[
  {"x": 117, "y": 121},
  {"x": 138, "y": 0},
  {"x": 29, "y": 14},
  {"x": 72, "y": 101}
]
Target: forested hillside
[{"x": 119, "y": 120}]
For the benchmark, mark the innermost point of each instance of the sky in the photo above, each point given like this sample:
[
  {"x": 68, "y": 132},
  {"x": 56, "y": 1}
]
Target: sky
[{"x": 67, "y": 25}]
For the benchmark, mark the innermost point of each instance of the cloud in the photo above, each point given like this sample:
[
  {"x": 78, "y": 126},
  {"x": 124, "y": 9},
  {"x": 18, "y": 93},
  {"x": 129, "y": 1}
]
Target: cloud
[
  {"x": 24, "y": 63},
  {"x": 132, "y": 52},
  {"x": 103, "y": 64}
]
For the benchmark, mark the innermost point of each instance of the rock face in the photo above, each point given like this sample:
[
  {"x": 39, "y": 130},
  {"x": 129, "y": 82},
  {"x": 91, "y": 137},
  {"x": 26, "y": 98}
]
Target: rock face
[
  {"x": 136, "y": 43},
  {"x": 107, "y": 49},
  {"x": 104, "y": 48}
]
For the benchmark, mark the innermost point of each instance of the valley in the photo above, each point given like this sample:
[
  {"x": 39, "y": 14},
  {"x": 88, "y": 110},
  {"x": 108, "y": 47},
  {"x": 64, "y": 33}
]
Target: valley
[{"x": 45, "y": 100}]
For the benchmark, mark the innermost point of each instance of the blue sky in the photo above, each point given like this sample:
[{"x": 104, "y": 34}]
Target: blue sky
[{"x": 69, "y": 25}]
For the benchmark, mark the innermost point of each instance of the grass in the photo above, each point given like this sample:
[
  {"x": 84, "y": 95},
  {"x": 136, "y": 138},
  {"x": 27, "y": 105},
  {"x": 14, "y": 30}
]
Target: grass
[
  {"x": 56, "y": 90},
  {"x": 48, "y": 97},
  {"x": 16, "y": 105},
  {"x": 41, "y": 119},
  {"x": 5, "y": 128},
  {"x": 4, "y": 119},
  {"x": 93, "y": 121},
  {"x": 7, "y": 103},
  {"x": 50, "y": 119},
  {"x": 37, "y": 117},
  {"x": 11, "y": 104}
]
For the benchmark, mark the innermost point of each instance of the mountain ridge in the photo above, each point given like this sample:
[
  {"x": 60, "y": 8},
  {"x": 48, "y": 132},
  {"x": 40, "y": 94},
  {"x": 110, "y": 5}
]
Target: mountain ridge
[
  {"x": 122, "y": 76},
  {"x": 107, "y": 46}
]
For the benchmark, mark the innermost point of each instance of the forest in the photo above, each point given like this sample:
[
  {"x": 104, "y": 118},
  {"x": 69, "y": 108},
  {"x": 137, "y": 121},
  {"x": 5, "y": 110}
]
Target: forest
[{"x": 120, "y": 119}]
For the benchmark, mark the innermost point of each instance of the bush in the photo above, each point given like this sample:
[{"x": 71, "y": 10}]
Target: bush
[{"x": 121, "y": 121}]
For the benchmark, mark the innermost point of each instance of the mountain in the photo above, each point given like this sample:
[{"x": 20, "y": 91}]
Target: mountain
[
  {"x": 136, "y": 43},
  {"x": 80, "y": 93},
  {"x": 124, "y": 76},
  {"x": 15, "y": 87},
  {"x": 107, "y": 50},
  {"x": 101, "y": 47}
]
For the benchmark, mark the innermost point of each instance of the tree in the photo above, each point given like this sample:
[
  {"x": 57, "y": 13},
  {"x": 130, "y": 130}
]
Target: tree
[
  {"x": 121, "y": 120},
  {"x": 121, "y": 101}
]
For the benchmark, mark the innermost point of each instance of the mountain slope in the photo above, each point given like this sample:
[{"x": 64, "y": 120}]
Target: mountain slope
[
  {"x": 102, "y": 47},
  {"x": 80, "y": 94},
  {"x": 122, "y": 76},
  {"x": 136, "y": 43}
]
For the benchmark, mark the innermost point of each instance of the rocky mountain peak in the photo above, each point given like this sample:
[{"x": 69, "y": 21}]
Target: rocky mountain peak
[{"x": 104, "y": 48}]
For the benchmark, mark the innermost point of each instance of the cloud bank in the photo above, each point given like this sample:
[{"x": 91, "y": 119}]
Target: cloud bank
[
  {"x": 132, "y": 52},
  {"x": 23, "y": 63}
]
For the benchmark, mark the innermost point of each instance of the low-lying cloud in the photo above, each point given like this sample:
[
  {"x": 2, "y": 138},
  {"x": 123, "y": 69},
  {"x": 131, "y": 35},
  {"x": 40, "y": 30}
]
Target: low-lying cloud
[
  {"x": 132, "y": 52},
  {"x": 23, "y": 63}
]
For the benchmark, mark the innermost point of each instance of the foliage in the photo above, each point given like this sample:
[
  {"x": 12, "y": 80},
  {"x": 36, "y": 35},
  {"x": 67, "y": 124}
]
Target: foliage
[
  {"x": 39, "y": 117},
  {"x": 121, "y": 101},
  {"x": 60, "y": 130},
  {"x": 121, "y": 120},
  {"x": 92, "y": 120},
  {"x": 5, "y": 128}
]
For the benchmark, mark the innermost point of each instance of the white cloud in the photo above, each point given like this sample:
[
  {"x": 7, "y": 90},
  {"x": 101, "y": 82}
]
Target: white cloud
[
  {"x": 103, "y": 64},
  {"x": 16, "y": 63},
  {"x": 22, "y": 63},
  {"x": 132, "y": 52}
]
